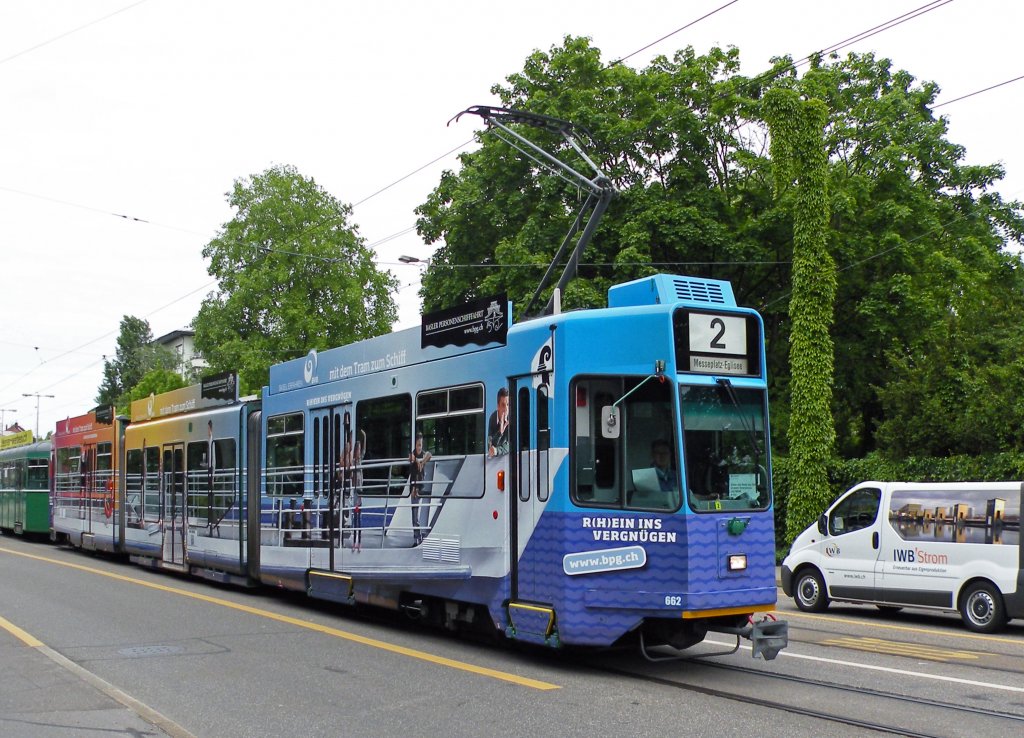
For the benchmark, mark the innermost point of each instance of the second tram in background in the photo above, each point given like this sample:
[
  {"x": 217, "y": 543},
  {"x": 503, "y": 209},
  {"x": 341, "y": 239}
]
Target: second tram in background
[
  {"x": 580, "y": 479},
  {"x": 24, "y": 483}
]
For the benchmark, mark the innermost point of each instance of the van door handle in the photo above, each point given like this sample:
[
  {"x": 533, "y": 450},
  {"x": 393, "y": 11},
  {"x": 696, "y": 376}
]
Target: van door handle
[{"x": 874, "y": 540}]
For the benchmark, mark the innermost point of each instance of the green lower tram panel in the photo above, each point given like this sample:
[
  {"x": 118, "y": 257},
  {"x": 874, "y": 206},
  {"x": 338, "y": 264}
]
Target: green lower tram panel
[{"x": 25, "y": 512}]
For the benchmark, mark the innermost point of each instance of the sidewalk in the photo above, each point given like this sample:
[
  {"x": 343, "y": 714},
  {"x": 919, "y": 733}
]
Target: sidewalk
[{"x": 42, "y": 698}]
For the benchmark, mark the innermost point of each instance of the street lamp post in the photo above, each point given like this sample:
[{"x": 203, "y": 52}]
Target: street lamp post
[{"x": 37, "y": 396}]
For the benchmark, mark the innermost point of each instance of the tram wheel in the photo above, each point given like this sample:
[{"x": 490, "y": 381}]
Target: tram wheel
[
  {"x": 809, "y": 593},
  {"x": 982, "y": 609}
]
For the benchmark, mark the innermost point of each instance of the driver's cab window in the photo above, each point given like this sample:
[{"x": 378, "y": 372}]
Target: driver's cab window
[
  {"x": 858, "y": 510},
  {"x": 634, "y": 464}
]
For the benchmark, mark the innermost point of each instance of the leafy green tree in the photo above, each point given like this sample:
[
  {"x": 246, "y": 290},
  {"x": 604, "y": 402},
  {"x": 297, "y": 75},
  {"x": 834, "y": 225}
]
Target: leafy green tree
[
  {"x": 292, "y": 274},
  {"x": 912, "y": 228},
  {"x": 136, "y": 356},
  {"x": 500, "y": 220},
  {"x": 958, "y": 388},
  {"x": 910, "y": 225},
  {"x": 801, "y": 172}
]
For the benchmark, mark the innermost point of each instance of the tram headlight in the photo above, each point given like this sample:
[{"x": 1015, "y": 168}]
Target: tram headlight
[{"x": 737, "y": 562}]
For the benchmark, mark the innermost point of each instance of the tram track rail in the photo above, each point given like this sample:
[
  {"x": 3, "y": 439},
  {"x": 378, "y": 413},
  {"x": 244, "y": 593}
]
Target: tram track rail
[
  {"x": 919, "y": 724},
  {"x": 912, "y": 649}
]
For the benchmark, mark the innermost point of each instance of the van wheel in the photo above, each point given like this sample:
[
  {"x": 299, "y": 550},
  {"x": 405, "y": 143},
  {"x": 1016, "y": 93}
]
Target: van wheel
[
  {"x": 981, "y": 607},
  {"x": 809, "y": 592}
]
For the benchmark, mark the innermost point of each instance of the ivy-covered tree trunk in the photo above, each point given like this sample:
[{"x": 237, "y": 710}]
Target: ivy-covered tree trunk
[{"x": 801, "y": 169}]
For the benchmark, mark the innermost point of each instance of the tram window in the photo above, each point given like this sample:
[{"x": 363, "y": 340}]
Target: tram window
[
  {"x": 387, "y": 422},
  {"x": 151, "y": 483},
  {"x": 7, "y": 476},
  {"x": 133, "y": 466},
  {"x": 543, "y": 425},
  {"x": 724, "y": 435},
  {"x": 316, "y": 455},
  {"x": 452, "y": 420},
  {"x": 624, "y": 472},
  {"x": 133, "y": 485},
  {"x": 523, "y": 442},
  {"x": 104, "y": 467},
  {"x": 466, "y": 399},
  {"x": 197, "y": 481},
  {"x": 104, "y": 457},
  {"x": 285, "y": 455},
  {"x": 67, "y": 481},
  {"x": 38, "y": 474},
  {"x": 604, "y": 449},
  {"x": 543, "y": 443},
  {"x": 459, "y": 435},
  {"x": 432, "y": 403},
  {"x": 225, "y": 477},
  {"x": 68, "y": 460}
]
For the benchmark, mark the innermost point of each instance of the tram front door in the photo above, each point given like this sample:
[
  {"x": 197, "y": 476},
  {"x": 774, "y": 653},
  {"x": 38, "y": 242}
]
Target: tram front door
[{"x": 529, "y": 442}]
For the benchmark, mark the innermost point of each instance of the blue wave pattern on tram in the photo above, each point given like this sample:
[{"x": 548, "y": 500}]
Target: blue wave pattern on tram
[{"x": 599, "y": 607}]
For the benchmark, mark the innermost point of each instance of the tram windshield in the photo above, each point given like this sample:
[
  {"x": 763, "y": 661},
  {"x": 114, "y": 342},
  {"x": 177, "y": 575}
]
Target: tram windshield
[{"x": 725, "y": 445}]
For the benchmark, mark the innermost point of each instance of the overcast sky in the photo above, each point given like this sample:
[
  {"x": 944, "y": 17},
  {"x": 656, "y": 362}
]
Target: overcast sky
[{"x": 152, "y": 109}]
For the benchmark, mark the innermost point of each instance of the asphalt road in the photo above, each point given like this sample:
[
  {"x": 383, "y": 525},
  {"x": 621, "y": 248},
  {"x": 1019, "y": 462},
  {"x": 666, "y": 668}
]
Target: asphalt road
[{"x": 91, "y": 646}]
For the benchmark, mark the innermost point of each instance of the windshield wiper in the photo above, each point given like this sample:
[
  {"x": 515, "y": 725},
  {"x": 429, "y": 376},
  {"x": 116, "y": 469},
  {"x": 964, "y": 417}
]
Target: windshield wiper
[{"x": 726, "y": 385}]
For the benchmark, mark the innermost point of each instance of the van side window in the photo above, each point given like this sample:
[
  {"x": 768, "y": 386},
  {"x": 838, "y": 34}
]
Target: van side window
[{"x": 858, "y": 510}]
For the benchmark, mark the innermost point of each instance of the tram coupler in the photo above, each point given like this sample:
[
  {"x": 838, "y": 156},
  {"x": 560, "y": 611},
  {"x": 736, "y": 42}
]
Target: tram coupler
[{"x": 767, "y": 636}]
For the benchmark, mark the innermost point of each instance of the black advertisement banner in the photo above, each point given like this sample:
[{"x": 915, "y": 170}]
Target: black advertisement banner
[
  {"x": 223, "y": 387},
  {"x": 479, "y": 323}
]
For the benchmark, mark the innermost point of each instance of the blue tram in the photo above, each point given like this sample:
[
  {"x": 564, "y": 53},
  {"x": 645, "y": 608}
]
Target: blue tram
[
  {"x": 472, "y": 470},
  {"x": 576, "y": 480}
]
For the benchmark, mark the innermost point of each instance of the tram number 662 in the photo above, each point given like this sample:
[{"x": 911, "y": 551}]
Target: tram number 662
[{"x": 674, "y": 600}]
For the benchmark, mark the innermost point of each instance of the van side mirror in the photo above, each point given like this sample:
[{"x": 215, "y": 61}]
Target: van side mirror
[{"x": 823, "y": 525}]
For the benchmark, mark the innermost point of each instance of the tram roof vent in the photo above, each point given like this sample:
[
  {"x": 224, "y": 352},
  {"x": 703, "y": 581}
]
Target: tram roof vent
[{"x": 667, "y": 289}]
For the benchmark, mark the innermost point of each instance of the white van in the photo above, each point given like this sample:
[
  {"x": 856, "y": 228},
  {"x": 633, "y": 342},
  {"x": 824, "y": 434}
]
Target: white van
[{"x": 954, "y": 546}]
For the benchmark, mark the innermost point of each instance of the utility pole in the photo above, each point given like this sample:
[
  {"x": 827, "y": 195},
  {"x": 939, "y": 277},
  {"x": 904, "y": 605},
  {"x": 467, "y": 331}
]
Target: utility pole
[
  {"x": 37, "y": 396},
  {"x": 3, "y": 427}
]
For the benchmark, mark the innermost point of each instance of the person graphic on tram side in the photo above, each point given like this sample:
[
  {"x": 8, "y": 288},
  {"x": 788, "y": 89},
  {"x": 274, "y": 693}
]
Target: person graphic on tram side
[
  {"x": 417, "y": 461},
  {"x": 497, "y": 426},
  {"x": 344, "y": 484},
  {"x": 356, "y": 500}
]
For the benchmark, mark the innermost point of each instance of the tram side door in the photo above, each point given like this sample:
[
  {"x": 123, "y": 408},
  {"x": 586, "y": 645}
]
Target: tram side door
[
  {"x": 529, "y": 482},
  {"x": 172, "y": 496},
  {"x": 87, "y": 481},
  {"x": 330, "y": 430}
]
